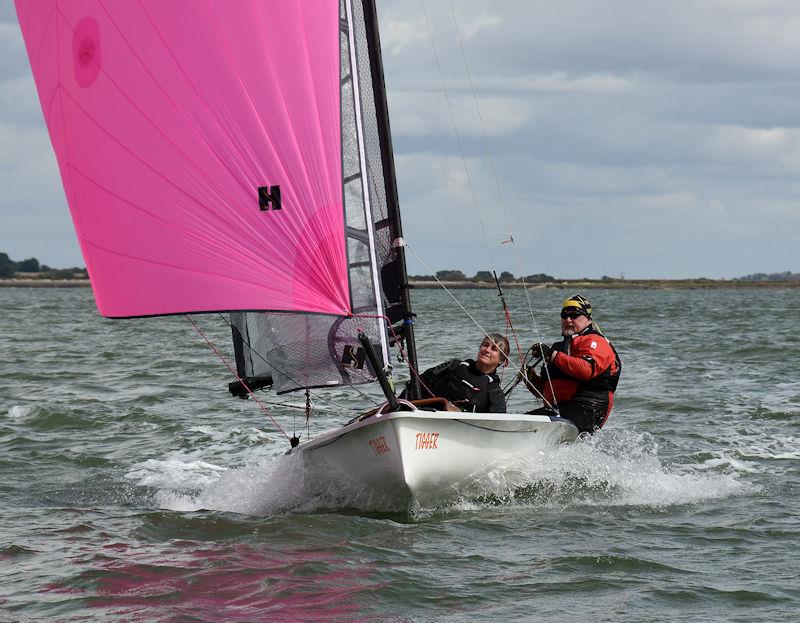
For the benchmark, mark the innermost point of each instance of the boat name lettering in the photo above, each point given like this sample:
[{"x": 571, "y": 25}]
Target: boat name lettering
[
  {"x": 379, "y": 445},
  {"x": 427, "y": 441}
]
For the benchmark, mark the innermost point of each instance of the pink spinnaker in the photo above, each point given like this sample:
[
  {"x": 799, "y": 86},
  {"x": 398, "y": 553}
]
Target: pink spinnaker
[{"x": 166, "y": 117}]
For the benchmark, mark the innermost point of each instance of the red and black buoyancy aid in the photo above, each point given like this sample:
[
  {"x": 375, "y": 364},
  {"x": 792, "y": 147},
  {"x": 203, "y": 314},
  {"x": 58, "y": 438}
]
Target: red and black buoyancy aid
[{"x": 597, "y": 388}]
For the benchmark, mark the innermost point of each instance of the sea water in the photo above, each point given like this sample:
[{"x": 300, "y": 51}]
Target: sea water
[{"x": 134, "y": 488}]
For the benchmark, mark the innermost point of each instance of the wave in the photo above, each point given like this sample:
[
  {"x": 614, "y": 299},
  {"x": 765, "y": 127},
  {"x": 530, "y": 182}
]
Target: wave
[{"x": 611, "y": 469}]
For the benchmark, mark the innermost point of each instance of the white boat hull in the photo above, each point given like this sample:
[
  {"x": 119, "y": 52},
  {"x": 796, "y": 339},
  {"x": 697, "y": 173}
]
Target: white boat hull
[{"x": 386, "y": 461}]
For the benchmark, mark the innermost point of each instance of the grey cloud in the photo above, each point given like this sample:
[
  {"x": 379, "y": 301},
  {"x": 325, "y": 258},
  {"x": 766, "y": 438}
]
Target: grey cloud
[{"x": 7, "y": 12}]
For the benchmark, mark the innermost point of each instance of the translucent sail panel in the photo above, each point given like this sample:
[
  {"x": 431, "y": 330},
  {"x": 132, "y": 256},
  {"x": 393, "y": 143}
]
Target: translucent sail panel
[
  {"x": 296, "y": 352},
  {"x": 199, "y": 148},
  {"x": 379, "y": 160},
  {"x": 303, "y": 351}
]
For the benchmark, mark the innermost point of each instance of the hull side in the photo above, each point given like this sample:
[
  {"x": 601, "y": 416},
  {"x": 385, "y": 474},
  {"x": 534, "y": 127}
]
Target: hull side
[
  {"x": 362, "y": 465},
  {"x": 443, "y": 456},
  {"x": 386, "y": 461}
]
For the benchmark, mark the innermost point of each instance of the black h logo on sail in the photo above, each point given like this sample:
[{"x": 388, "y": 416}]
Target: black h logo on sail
[{"x": 269, "y": 197}]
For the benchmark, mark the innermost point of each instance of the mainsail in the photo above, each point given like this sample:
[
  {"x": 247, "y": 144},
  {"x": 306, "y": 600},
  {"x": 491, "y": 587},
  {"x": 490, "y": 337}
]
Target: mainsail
[{"x": 234, "y": 156}]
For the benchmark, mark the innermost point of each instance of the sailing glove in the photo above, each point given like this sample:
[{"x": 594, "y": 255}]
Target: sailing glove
[{"x": 541, "y": 350}]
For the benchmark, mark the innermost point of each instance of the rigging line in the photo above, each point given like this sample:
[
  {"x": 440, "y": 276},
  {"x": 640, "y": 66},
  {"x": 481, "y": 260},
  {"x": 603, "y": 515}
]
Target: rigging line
[
  {"x": 499, "y": 188},
  {"x": 452, "y": 296},
  {"x": 363, "y": 395},
  {"x": 308, "y": 414},
  {"x": 219, "y": 354},
  {"x": 483, "y": 126},
  {"x": 492, "y": 165},
  {"x": 507, "y": 312},
  {"x": 321, "y": 409},
  {"x": 497, "y": 183},
  {"x": 400, "y": 348},
  {"x": 496, "y": 430},
  {"x": 488, "y": 150},
  {"x": 523, "y": 377},
  {"x": 291, "y": 378},
  {"x": 458, "y": 136},
  {"x": 539, "y": 339}
]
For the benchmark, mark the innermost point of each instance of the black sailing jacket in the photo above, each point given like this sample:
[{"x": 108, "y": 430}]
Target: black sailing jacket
[{"x": 465, "y": 386}]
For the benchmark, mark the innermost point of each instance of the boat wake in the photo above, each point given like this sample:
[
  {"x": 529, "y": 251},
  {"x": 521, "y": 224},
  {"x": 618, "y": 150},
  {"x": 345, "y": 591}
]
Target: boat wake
[
  {"x": 612, "y": 469},
  {"x": 271, "y": 487}
]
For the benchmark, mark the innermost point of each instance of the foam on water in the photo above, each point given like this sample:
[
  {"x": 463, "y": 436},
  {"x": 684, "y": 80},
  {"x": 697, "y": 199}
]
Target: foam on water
[
  {"x": 626, "y": 467},
  {"x": 251, "y": 435},
  {"x": 724, "y": 461},
  {"x": 274, "y": 486},
  {"x": 762, "y": 443},
  {"x": 779, "y": 448},
  {"x": 610, "y": 469},
  {"x": 18, "y": 412},
  {"x": 175, "y": 473}
]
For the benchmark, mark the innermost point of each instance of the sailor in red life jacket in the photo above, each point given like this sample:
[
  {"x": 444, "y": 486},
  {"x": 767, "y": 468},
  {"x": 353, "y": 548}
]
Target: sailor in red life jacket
[{"x": 579, "y": 374}]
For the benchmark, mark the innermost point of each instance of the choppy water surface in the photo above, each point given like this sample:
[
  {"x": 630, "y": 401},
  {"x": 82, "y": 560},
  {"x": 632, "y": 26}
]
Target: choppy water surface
[{"x": 134, "y": 489}]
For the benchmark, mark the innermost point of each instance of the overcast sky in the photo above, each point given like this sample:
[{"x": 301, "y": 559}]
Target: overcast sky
[{"x": 645, "y": 138}]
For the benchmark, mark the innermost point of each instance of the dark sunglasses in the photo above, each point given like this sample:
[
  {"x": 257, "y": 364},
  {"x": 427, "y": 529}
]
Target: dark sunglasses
[{"x": 570, "y": 315}]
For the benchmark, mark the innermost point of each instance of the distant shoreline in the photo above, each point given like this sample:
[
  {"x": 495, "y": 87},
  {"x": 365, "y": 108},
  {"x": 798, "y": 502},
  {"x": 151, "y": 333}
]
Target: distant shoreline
[
  {"x": 644, "y": 284},
  {"x": 44, "y": 283}
]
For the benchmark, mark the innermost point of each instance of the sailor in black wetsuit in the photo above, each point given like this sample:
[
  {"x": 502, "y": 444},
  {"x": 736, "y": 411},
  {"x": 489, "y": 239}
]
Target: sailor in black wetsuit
[{"x": 471, "y": 385}]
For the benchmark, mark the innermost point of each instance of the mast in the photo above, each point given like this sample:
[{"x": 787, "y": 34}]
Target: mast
[{"x": 390, "y": 183}]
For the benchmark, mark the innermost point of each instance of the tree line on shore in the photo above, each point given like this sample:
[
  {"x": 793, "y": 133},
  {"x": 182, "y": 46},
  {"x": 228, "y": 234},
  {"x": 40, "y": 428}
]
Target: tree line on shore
[
  {"x": 487, "y": 276},
  {"x": 785, "y": 276},
  {"x": 483, "y": 276},
  {"x": 32, "y": 268}
]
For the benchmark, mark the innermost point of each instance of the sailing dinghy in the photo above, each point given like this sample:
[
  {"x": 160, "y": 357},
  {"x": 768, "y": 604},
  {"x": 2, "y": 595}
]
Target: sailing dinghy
[{"x": 235, "y": 156}]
